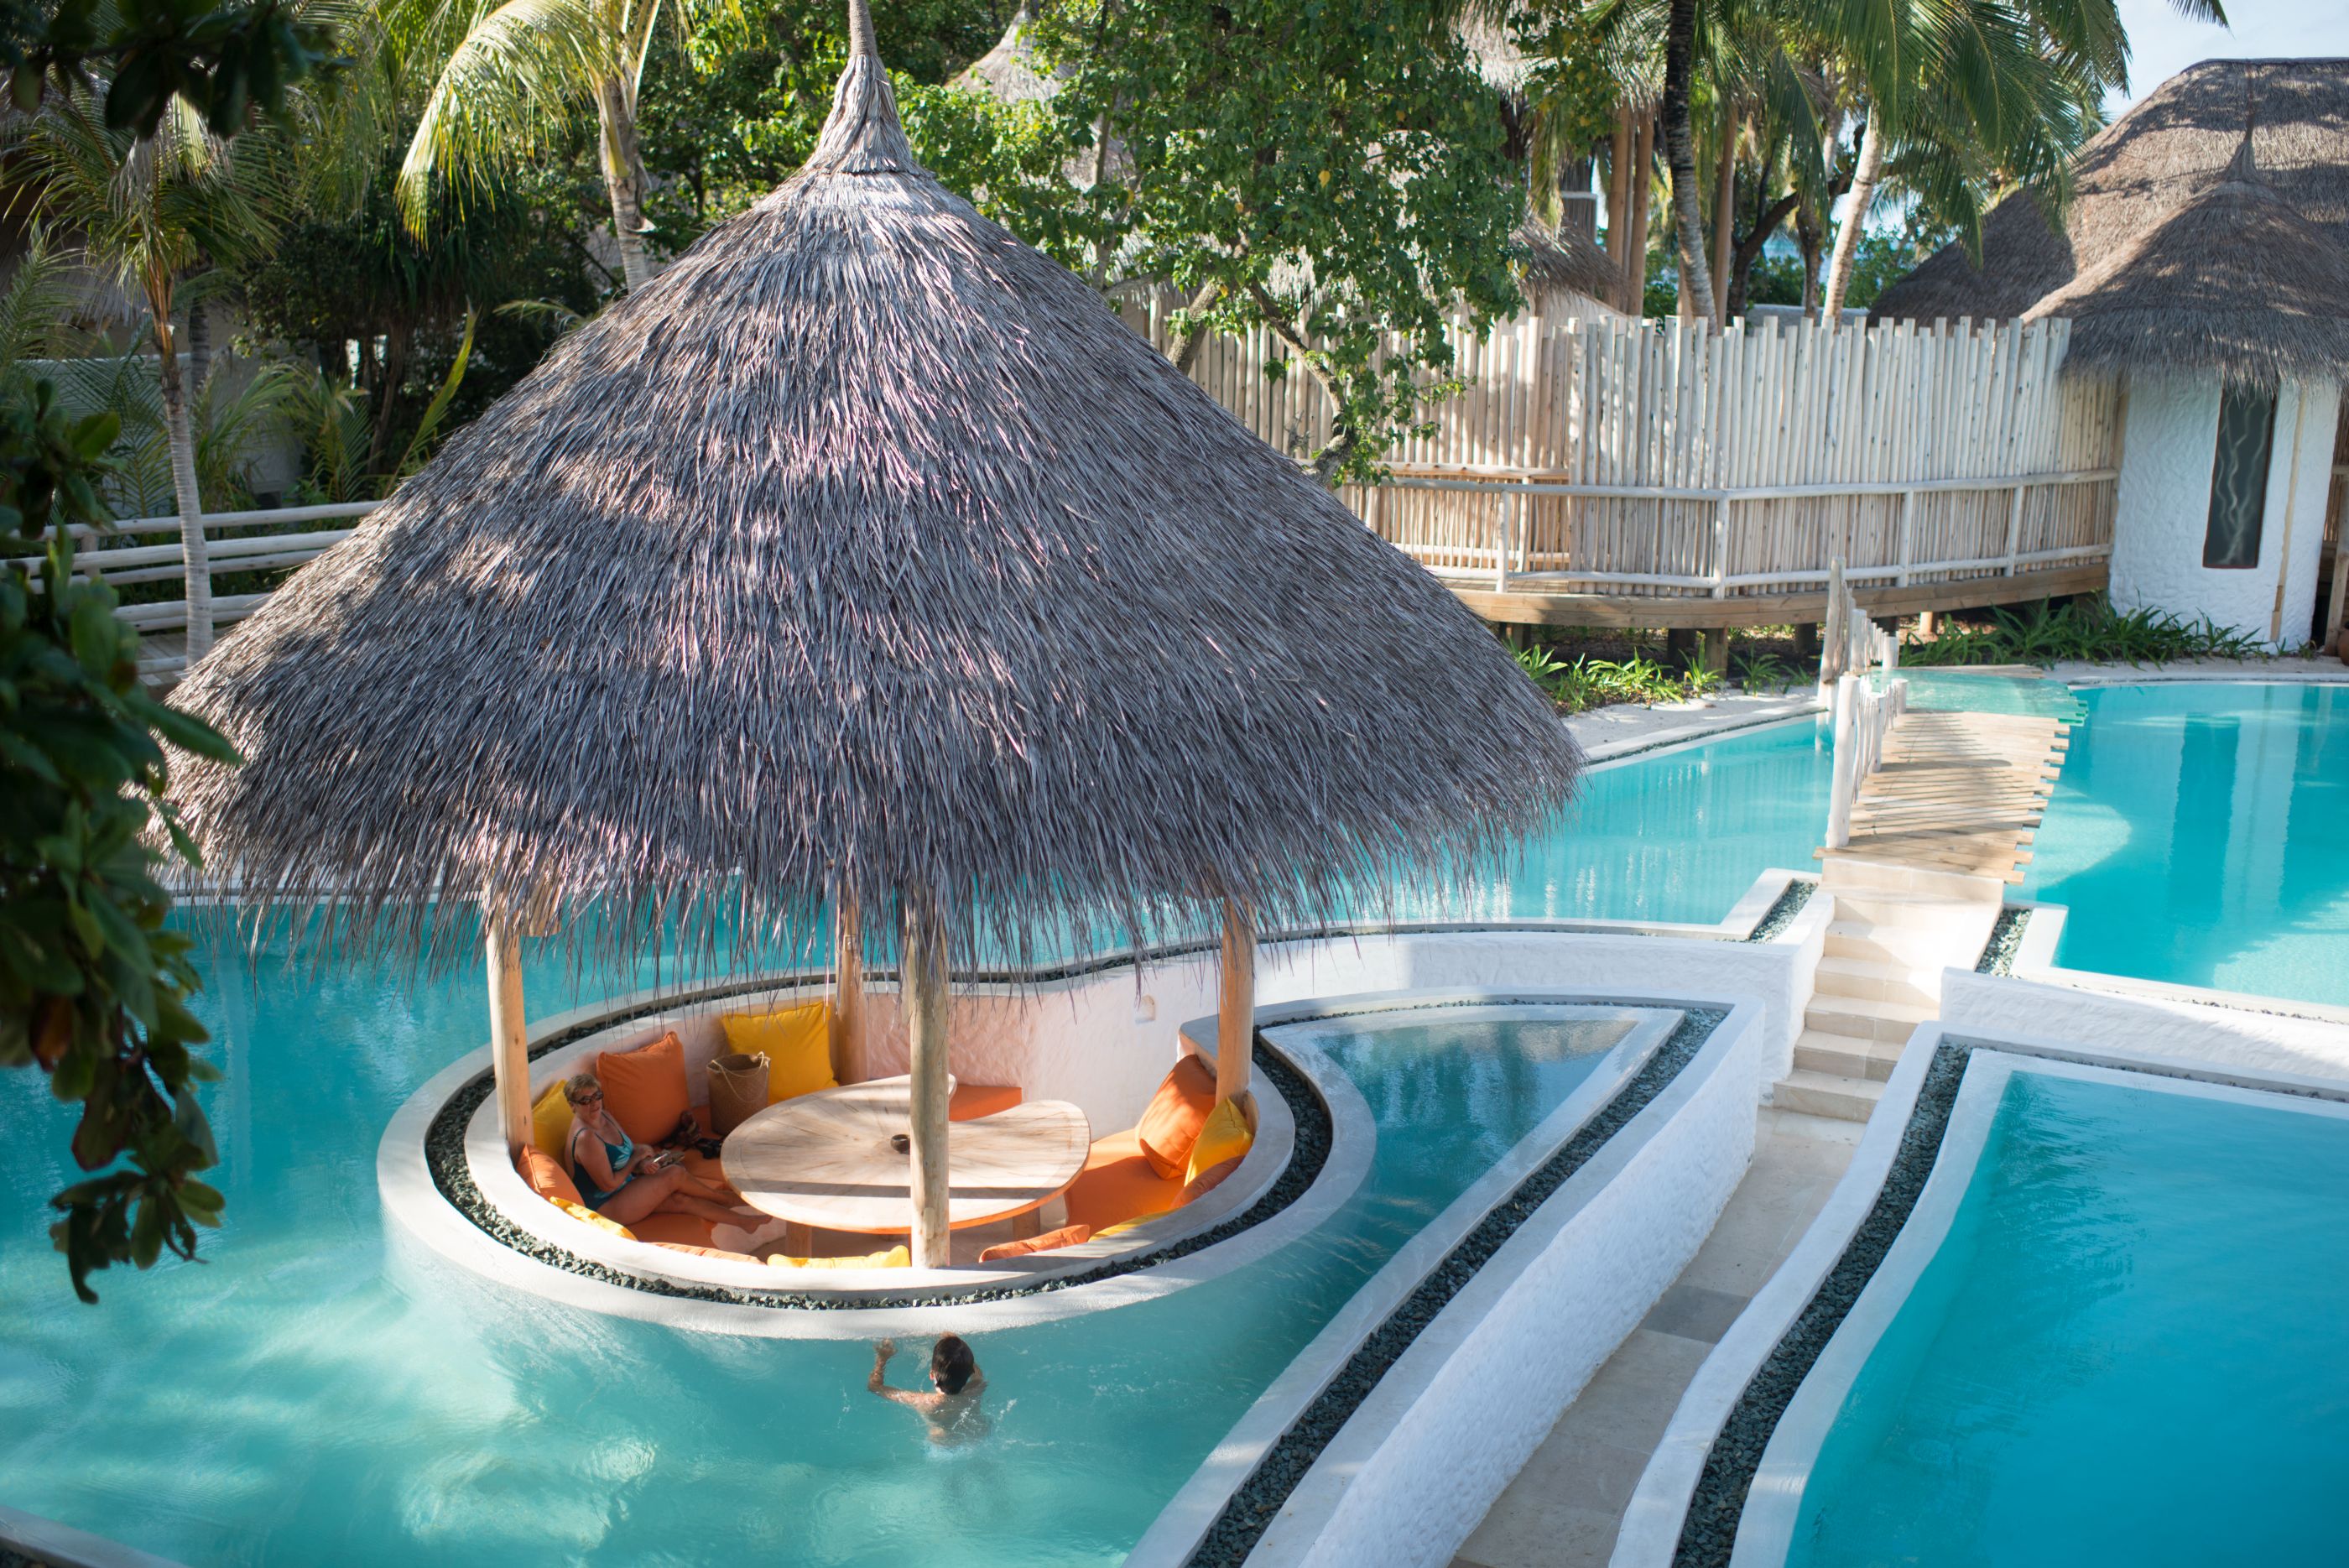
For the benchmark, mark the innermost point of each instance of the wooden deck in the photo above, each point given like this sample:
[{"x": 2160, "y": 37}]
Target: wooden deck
[{"x": 1960, "y": 793}]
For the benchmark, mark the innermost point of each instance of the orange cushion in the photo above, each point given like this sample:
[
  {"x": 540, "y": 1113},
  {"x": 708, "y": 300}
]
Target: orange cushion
[
  {"x": 1177, "y": 1111},
  {"x": 1119, "y": 1184},
  {"x": 706, "y": 1168},
  {"x": 1066, "y": 1236},
  {"x": 645, "y": 1089},
  {"x": 545, "y": 1175},
  {"x": 971, "y": 1101},
  {"x": 721, "y": 1253},
  {"x": 1207, "y": 1180},
  {"x": 678, "y": 1230}
]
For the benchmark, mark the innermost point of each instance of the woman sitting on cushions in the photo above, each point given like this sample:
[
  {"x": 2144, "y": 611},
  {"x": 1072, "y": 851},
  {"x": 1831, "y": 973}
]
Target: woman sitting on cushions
[{"x": 624, "y": 1183}]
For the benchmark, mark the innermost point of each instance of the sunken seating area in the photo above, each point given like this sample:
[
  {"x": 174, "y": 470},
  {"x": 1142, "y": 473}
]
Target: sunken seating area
[
  {"x": 1156, "y": 1166},
  {"x": 658, "y": 1091}
]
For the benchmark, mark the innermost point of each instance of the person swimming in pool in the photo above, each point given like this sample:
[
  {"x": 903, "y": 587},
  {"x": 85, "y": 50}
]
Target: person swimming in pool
[{"x": 951, "y": 1404}]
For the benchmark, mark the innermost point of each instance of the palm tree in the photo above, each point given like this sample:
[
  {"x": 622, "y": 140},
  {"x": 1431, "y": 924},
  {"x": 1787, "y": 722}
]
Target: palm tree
[
  {"x": 514, "y": 80},
  {"x": 1961, "y": 98},
  {"x": 155, "y": 210}
]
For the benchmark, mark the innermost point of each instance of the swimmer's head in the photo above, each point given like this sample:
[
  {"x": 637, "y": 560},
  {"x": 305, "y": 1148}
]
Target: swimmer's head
[{"x": 951, "y": 1364}]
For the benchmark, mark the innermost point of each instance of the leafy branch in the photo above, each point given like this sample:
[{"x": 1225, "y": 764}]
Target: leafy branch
[{"x": 93, "y": 988}]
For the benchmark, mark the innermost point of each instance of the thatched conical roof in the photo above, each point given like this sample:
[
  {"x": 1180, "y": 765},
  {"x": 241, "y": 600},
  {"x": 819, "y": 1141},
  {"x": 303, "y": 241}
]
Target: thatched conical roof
[
  {"x": 2140, "y": 174},
  {"x": 2234, "y": 281},
  {"x": 1564, "y": 261},
  {"x": 863, "y": 550}
]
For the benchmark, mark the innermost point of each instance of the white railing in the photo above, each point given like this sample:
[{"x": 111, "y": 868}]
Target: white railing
[
  {"x": 229, "y": 547},
  {"x": 1864, "y": 714}
]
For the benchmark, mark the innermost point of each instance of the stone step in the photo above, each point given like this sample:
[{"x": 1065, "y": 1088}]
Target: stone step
[
  {"x": 1941, "y": 916},
  {"x": 1841, "y": 872},
  {"x": 1856, "y": 1016},
  {"x": 1827, "y": 1095},
  {"x": 1867, "y": 942},
  {"x": 1840, "y": 1056},
  {"x": 1878, "y": 981}
]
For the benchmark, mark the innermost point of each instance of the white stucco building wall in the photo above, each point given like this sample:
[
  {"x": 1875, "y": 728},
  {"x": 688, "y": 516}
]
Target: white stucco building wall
[{"x": 2168, "y": 446}]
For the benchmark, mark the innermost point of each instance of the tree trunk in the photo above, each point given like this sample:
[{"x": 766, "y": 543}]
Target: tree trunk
[
  {"x": 623, "y": 177},
  {"x": 1863, "y": 193},
  {"x": 1724, "y": 212},
  {"x": 200, "y": 350},
  {"x": 387, "y": 400},
  {"x": 184, "y": 491},
  {"x": 1750, "y": 248},
  {"x": 1808, "y": 235},
  {"x": 1679, "y": 150},
  {"x": 1185, "y": 351},
  {"x": 1619, "y": 199},
  {"x": 1643, "y": 186}
]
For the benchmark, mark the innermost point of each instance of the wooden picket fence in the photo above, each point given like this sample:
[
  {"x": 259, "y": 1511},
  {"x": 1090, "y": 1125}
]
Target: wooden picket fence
[{"x": 1650, "y": 460}]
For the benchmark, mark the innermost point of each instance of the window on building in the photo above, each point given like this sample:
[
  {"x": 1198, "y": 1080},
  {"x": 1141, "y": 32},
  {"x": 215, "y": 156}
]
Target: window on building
[{"x": 2238, "y": 479}]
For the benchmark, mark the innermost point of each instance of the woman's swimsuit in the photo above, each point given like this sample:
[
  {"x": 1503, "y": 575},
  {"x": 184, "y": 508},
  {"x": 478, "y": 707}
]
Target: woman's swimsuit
[{"x": 619, "y": 1154}]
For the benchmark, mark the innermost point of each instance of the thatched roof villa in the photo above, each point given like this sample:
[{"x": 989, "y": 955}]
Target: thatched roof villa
[
  {"x": 2204, "y": 258},
  {"x": 862, "y": 561}
]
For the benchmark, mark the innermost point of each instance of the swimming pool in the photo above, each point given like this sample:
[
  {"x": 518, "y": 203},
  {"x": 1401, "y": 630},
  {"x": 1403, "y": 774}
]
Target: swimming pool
[
  {"x": 2124, "y": 1347},
  {"x": 289, "y": 1401},
  {"x": 2200, "y": 834}
]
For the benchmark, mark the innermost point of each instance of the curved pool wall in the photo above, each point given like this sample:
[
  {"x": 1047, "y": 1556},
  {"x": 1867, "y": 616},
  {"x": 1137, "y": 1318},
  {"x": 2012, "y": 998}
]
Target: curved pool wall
[
  {"x": 1687, "y": 1508},
  {"x": 1440, "y": 1387}
]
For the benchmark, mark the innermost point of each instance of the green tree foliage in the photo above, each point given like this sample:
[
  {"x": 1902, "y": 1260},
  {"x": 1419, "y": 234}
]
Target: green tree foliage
[
  {"x": 93, "y": 987},
  {"x": 1334, "y": 172},
  {"x": 224, "y": 62},
  {"x": 731, "y": 111}
]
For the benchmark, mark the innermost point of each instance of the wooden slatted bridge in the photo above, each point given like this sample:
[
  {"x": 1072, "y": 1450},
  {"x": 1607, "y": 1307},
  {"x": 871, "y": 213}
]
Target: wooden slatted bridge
[{"x": 1958, "y": 792}]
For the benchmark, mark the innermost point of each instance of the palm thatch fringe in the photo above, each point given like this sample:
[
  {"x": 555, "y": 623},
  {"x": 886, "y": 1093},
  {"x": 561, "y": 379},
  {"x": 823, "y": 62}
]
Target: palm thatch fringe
[
  {"x": 864, "y": 554},
  {"x": 2233, "y": 282},
  {"x": 2130, "y": 183}
]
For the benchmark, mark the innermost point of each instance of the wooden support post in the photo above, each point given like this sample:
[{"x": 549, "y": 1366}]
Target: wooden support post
[
  {"x": 1715, "y": 645},
  {"x": 922, "y": 984},
  {"x": 1806, "y": 640},
  {"x": 2014, "y": 530},
  {"x": 508, "y": 1040},
  {"x": 1842, "y": 785},
  {"x": 1236, "y": 1011},
  {"x": 1926, "y": 622},
  {"x": 848, "y": 993},
  {"x": 1680, "y": 643}
]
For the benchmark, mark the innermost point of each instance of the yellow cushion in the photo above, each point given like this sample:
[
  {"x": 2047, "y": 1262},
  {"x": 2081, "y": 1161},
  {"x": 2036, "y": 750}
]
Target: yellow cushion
[
  {"x": 895, "y": 1258},
  {"x": 580, "y": 1211},
  {"x": 550, "y": 1124},
  {"x": 1222, "y": 1135},
  {"x": 798, "y": 1045}
]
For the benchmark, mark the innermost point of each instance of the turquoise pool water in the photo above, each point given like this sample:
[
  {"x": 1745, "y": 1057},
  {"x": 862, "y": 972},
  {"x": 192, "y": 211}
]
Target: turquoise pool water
[
  {"x": 2127, "y": 1350},
  {"x": 2199, "y": 834},
  {"x": 1676, "y": 836},
  {"x": 289, "y": 1401}
]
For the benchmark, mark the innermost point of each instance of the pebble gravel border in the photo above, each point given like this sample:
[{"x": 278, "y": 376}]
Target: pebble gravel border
[
  {"x": 1709, "y": 1532},
  {"x": 1782, "y": 912},
  {"x": 444, "y": 1157},
  {"x": 1253, "y": 1505},
  {"x": 2005, "y": 941}
]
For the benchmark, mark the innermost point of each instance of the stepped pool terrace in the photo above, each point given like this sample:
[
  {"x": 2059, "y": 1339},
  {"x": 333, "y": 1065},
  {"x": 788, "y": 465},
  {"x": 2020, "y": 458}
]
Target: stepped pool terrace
[{"x": 292, "y": 1399}]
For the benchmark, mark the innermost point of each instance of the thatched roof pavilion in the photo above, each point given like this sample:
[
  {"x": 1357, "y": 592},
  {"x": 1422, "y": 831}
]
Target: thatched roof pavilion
[
  {"x": 2138, "y": 173},
  {"x": 863, "y": 558},
  {"x": 2235, "y": 282}
]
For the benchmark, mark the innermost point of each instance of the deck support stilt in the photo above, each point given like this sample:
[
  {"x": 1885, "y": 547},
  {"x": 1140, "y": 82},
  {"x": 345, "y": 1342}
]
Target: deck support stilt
[
  {"x": 508, "y": 1040},
  {"x": 922, "y": 982},
  {"x": 1236, "y": 1009}
]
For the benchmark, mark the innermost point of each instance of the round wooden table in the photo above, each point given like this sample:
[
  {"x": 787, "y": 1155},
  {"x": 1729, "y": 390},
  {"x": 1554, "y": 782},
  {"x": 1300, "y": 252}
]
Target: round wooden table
[{"x": 824, "y": 1161}]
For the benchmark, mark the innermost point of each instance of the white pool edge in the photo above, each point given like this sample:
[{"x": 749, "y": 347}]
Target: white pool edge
[
  {"x": 63, "y": 1546},
  {"x": 1724, "y": 1063},
  {"x": 1773, "y": 1505},
  {"x": 1650, "y": 1535}
]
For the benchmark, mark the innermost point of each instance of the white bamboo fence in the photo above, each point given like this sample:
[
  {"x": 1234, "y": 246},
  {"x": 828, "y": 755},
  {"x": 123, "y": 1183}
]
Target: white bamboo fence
[
  {"x": 230, "y": 546},
  {"x": 1663, "y": 460}
]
